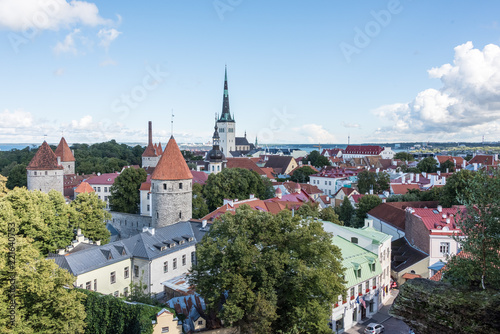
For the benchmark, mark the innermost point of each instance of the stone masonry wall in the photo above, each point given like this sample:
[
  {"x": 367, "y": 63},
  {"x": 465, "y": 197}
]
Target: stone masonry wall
[
  {"x": 417, "y": 233},
  {"x": 171, "y": 202},
  {"x": 46, "y": 180}
]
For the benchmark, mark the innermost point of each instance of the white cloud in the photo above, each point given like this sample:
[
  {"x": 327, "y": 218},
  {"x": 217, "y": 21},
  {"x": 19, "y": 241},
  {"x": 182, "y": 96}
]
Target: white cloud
[
  {"x": 350, "y": 125},
  {"x": 467, "y": 105},
  {"x": 107, "y": 36},
  {"x": 68, "y": 45},
  {"x": 15, "y": 119},
  {"x": 20, "y": 15}
]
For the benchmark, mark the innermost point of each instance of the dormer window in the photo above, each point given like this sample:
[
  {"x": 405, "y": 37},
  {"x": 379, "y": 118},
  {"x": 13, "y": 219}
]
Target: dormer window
[{"x": 354, "y": 240}]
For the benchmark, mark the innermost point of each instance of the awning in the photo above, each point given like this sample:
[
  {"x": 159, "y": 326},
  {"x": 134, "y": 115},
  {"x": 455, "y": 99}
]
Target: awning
[{"x": 437, "y": 266}]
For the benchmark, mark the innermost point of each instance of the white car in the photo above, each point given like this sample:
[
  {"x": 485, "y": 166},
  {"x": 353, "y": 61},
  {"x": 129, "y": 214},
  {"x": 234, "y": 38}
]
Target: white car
[{"x": 374, "y": 328}]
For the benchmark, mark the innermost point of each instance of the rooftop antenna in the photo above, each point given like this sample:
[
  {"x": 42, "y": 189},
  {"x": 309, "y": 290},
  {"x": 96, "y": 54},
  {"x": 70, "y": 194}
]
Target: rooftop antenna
[{"x": 172, "y": 123}]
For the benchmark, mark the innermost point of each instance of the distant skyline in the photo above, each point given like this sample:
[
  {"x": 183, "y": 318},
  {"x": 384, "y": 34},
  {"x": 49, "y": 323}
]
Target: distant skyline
[{"x": 298, "y": 72}]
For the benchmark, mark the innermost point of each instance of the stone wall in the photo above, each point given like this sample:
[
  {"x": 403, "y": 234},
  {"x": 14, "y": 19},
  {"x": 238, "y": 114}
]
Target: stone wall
[
  {"x": 69, "y": 167},
  {"x": 171, "y": 201},
  {"x": 431, "y": 307},
  {"x": 129, "y": 224},
  {"x": 46, "y": 180}
]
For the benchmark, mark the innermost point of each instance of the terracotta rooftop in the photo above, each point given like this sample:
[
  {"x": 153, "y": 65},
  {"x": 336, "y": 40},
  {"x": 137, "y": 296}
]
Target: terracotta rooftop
[
  {"x": 401, "y": 189},
  {"x": 44, "y": 159},
  {"x": 149, "y": 151},
  {"x": 244, "y": 163},
  {"x": 363, "y": 149},
  {"x": 85, "y": 188},
  {"x": 199, "y": 177},
  {"x": 393, "y": 213},
  {"x": 172, "y": 165},
  {"x": 64, "y": 151},
  {"x": 103, "y": 179}
]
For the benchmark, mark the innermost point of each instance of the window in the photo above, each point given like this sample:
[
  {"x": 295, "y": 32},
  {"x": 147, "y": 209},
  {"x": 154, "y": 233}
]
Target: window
[
  {"x": 367, "y": 285},
  {"x": 112, "y": 277},
  {"x": 99, "y": 189},
  {"x": 164, "y": 329},
  {"x": 200, "y": 322},
  {"x": 95, "y": 285},
  {"x": 325, "y": 183},
  {"x": 105, "y": 189},
  {"x": 106, "y": 198},
  {"x": 444, "y": 248},
  {"x": 329, "y": 183},
  {"x": 125, "y": 272},
  {"x": 148, "y": 208},
  {"x": 374, "y": 282},
  {"x": 213, "y": 168},
  {"x": 354, "y": 240},
  {"x": 35, "y": 173},
  {"x": 136, "y": 271},
  {"x": 360, "y": 289},
  {"x": 174, "y": 264},
  {"x": 46, "y": 173},
  {"x": 165, "y": 266},
  {"x": 358, "y": 273},
  {"x": 148, "y": 196},
  {"x": 88, "y": 285},
  {"x": 164, "y": 186},
  {"x": 180, "y": 214},
  {"x": 125, "y": 291},
  {"x": 193, "y": 257},
  {"x": 180, "y": 185},
  {"x": 184, "y": 259},
  {"x": 372, "y": 266},
  {"x": 352, "y": 292},
  {"x": 116, "y": 293}
]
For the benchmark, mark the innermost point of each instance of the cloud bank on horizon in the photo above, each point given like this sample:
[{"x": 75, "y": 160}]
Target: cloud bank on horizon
[{"x": 467, "y": 105}]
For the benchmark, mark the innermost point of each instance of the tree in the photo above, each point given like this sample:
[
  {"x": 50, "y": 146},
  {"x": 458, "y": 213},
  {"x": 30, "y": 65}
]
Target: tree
[
  {"x": 447, "y": 166},
  {"x": 270, "y": 272},
  {"x": 366, "y": 181},
  {"x": 383, "y": 180},
  {"x": 404, "y": 156},
  {"x": 308, "y": 210},
  {"x": 125, "y": 195},
  {"x": 455, "y": 187},
  {"x": 366, "y": 203},
  {"x": 301, "y": 175},
  {"x": 317, "y": 160},
  {"x": 17, "y": 177},
  {"x": 346, "y": 212},
  {"x": 235, "y": 183},
  {"x": 43, "y": 218},
  {"x": 90, "y": 215},
  {"x": 328, "y": 214},
  {"x": 480, "y": 227},
  {"x": 44, "y": 304},
  {"x": 3, "y": 187},
  {"x": 427, "y": 165},
  {"x": 200, "y": 207}
]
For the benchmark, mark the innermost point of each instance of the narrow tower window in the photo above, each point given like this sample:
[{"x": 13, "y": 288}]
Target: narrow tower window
[
  {"x": 164, "y": 186},
  {"x": 180, "y": 185},
  {"x": 180, "y": 214}
]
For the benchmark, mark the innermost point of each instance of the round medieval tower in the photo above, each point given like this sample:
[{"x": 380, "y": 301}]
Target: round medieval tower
[
  {"x": 171, "y": 188},
  {"x": 45, "y": 171}
]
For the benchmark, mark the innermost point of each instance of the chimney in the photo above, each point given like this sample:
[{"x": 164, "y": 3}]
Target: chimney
[
  {"x": 58, "y": 160},
  {"x": 98, "y": 242},
  {"x": 417, "y": 178},
  {"x": 252, "y": 196},
  {"x": 279, "y": 193},
  {"x": 440, "y": 208},
  {"x": 439, "y": 172},
  {"x": 150, "y": 133},
  {"x": 403, "y": 179},
  {"x": 203, "y": 223},
  {"x": 448, "y": 220},
  {"x": 228, "y": 201}
]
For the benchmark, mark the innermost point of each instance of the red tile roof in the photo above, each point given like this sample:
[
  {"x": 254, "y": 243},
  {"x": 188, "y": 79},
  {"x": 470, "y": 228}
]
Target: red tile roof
[
  {"x": 458, "y": 161},
  {"x": 363, "y": 149},
  {"x": 244, "y": 163},
  {"x": 103, "y": 179},
  {"x": 199, "y": 177},
  {"x": 269, "y": 172},
  {"x": 159, "y": 150},
  {"x": 85, "y": 188},
  {"x": 149, "y": 151},
  {"x": 64, "y": 151},
  {"x": 483, "y": 160},
  {"x": 401, "y": 189},
  {"x": 172, "y": 165},
  {"x": 411, "y": 276},
  {"x": 44, "y": 159},
  {"x": 393, "y": 213},
  {"x": 435, "y": 220}
]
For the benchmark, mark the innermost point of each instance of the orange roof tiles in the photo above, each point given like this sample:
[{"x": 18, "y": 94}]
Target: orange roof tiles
[
  {"x": 149, "y": 151},
  {"x": 85, "y": 188},
  {"x": 44, "y": 159},
  {"x": 411, "y": 276},
  {"x": 244, "y": 163},
  {"x": 172, "y": 165},
  {"x": 401, "y": 189},
  {"x": 64, "y": 151}
]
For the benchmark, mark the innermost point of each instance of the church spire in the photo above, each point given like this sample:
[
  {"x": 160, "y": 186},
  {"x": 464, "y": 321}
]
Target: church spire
[{"x": 226, "y": 114}]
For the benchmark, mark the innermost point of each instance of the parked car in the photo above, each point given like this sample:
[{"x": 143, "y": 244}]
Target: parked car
[{"x": 374, "y": 328}]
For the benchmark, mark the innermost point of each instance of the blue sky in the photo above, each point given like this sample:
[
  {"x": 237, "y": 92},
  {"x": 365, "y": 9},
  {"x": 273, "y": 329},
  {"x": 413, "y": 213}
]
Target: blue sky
[{"x": 299, "y": 72}]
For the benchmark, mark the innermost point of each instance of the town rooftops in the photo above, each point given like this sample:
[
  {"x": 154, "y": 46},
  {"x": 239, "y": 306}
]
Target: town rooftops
[
  {"x": 401, "y": 189},
  {"x": 150, "y": 151},
  {"x": 103, "y": 179},
  {"x": 84, "y": 188},
  {"x": 403, "y": 255},
  {"x": 172, "y": 165},
  {"x": 44, "y": 159},
  {"x": 363, "y": 149},
  {"x": 393, "y": 213},
  {"x": 442, "y": 219},
  {"x": 245, "y": 163},
  {"x": 64, "y": 152},
  {"x": 336, "y": 173}
]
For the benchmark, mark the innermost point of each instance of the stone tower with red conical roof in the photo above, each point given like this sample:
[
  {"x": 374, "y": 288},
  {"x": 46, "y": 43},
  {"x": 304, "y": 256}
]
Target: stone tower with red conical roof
[
  {"x": 45, "y": 171},
  {"x": 63, "y": 152},
  {"x": 171, "y": 188}
]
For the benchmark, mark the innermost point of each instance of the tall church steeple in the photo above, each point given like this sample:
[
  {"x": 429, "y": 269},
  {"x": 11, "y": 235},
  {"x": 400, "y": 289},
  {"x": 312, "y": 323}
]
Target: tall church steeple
[{"x": 226, "y": 112}]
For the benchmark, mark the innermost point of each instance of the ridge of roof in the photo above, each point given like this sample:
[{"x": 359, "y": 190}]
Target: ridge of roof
[
  {"x": 84, "y": 187},
  {"x": 172, "y": 165},
  {"x": 64, "y": 151},
  {"x": 44, "y": 159},
  {"x": 150, "y": 151}
]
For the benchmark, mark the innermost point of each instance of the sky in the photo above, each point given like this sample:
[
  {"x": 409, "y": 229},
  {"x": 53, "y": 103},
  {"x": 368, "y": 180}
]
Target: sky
[{"x": 311, "y": 72}]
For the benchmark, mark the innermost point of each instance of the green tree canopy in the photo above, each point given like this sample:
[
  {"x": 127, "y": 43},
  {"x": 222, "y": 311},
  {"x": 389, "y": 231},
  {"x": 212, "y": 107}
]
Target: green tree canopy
[
  {"x": 301, "y": 175},
  {"x": 317, "y": 160},
  {"x": 404, "y": 156},
  {"x": 43, "y": 303},
  {"x": 3, "y": 187},
  {"x": 125, "y": 195},
  {"x": 279, "y": 272},
  {"x": 481, "y": 228},
  {"x": 347, "y": 212},
  {"x": 455, "y": 187},
  {"x": 17, "y": 177},
  {"x": 447, "y": 166},
  {"x": 328, "y": 214},
  {"x": 427, "y": 165},
  {"x": 235, "y": 183},
  {"x": 200, "y": 207},
  {"x": 90, "y": 215},
  {"x": 365, "y": 204},
  {"x": 368, "y": 180}
]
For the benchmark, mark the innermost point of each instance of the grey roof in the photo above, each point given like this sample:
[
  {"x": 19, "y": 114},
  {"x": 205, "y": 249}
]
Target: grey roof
[
  {"x": 141, "y": 245},
  {"x": 92, "y": 258},
  {"x": 147, "y": 246},
  {"x": 240, "y": 141},
  {"x": 198, "y": 231},
  {"x": 403, "y": 255}
]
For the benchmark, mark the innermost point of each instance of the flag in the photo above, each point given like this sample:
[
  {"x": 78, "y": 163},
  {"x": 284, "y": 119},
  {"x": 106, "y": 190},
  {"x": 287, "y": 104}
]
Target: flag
[
  {"x": 357, "y": 300},
  {"x": 363, "y": 302}
]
